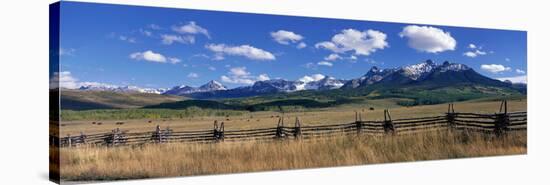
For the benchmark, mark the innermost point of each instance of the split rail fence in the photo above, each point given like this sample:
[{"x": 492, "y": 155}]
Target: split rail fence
[{"x": 498, "y": 123}]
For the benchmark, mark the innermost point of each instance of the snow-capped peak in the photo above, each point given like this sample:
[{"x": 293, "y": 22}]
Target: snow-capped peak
[
  {"x": 419, "y": 70},
  {"x": 447, "y": 66}
]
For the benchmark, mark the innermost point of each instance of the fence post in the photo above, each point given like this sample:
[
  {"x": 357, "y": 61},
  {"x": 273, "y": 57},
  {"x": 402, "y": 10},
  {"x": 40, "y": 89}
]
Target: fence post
[
  {"x": 451, "y": 115},
  {"x": 388, "y": 124},
  {"x": 82, "y": 138},
  {"x": 358, "y": 123},
  {"x": 216, "y": 133},
  {"x": 279, "y": 132},
  {"x": 221, "y": 130},
  {"x": 297, "y": 129},
  {"x": 69, "y": 142},
  {"x": 158, "y": 134},
  {"x": 502, "y": 119}
]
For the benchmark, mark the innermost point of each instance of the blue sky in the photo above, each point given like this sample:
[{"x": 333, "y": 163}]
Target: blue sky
[{"x": 162, "y": 47}]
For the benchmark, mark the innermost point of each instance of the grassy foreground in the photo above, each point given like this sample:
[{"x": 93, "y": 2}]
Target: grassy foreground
[{"x": 179, "y": 159}]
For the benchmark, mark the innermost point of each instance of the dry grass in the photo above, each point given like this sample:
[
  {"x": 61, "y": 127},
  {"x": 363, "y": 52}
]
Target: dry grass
[{"x": 178, "y": 159}]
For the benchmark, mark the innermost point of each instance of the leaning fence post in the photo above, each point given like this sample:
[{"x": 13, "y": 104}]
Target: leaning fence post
[
  {"x": 451, "y": 115},
  {"x": 502, "y": 119},
  {"x": 297, "y": 129},
  {"x": 388, "y": 124}
]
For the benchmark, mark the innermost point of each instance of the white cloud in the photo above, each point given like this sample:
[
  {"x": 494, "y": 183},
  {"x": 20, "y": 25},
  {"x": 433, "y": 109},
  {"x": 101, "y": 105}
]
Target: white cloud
[
  {"x": 310, "y": 65},
  {"x": 239, "y": 71},
  {"x": 66, "y": 51},
  {"x": 146, "y": 32},
  {"x": 239, "y": 75},
  {"x": 191, "y": 28},
  {"x": 519, "y": 71},
  {"x": 352, "y": 57},
  {"x": 333, "y": 57},
  {"x": 324, "y": 63},
  {"x": 428, "y": 39},
  {"x": 192, "y": 75},
  {"x": 286, "y": 37},
  {"x": 301, "y": 45},
  {"x": 154, "y": 26},
  {"x": 312, "y": 78},
  {"x": 148, "y": 56},
  {"x": 263, "y": 77},
  {"x": 242, "y": 50},
  {"x": 64, "y": 79},
  {"x": 507, "y": 59},
  {"x": 362, "y": 43},
  {"x": 473, "y": 54},
  {"x": 515, "y": 79},
  {"x": 211, "y": 68},
  {"x": 472, "y": 46},
  {"x": 169, "y": 39},
  {"x": 174, "y": 60},
  {"x": 127, "y": 39},
  {"x": 494, "y": 68}
]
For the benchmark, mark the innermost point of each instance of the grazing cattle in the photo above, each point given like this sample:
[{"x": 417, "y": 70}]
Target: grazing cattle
[
  {"x": 149, "y": 121},
  {"x": 371, "y": 108},
  {"x": 227, "y": 119},
  {"x": 119, "y": 123},
  {"x": 93, "y": 122},
  {"x": 99, "y": 123}
]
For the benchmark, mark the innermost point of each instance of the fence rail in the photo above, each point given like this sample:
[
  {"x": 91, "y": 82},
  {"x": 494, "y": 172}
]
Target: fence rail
[{"x": 498, "y": 123}]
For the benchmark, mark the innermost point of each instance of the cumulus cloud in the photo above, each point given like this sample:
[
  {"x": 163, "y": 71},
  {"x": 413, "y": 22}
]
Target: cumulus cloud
[
  {"x": 428, "y": 39},
  {"x": 324, "y": 63},
  {"x": 65, "y": 79},
  {"x": 192, "y": 75},
  {"x": 148, "y": 56},
  {"x": 151, "y": 56},
  {"x": 494, "y": 68},
  {"x": 247, "y": 51},
  {"x": 515, "y": 79},
  {"x": 263, "y": 77},
  {"x": 361, "y": 42},
  {"x": 191, "y": 28},
  {"x": 239, "y": 75},
  {"x": 286, "y": 37},
  {"x": 475, "y": 51},
  {"x": 333, "y": 57},
  {"x": 169, "y": 39},
  {"x": 473, "y": 54},
  {"x": 519, "y": 71},
  {"x": 311, "y": 78},
  {"x": 301, "y": 45}
]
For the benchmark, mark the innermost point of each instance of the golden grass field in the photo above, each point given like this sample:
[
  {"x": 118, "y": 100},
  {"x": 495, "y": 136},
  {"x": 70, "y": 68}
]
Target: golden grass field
[
  {"x": 334, "y": 115},
  {"x": 184, "y": 159},
  {"x": 178, "y": 159}
]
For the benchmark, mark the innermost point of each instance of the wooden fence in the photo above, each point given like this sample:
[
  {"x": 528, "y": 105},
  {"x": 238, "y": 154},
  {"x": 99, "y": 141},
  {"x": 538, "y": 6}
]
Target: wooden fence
[{"x": 499, "y": 123}]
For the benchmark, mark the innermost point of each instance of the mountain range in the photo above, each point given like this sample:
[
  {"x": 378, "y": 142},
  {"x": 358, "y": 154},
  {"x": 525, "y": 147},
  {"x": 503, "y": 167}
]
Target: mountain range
[{"x": 427, "y": 74}]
